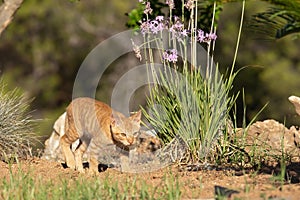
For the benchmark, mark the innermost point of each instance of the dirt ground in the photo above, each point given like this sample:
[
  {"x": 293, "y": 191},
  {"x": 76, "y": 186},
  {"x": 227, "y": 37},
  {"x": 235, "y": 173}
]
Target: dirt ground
[{"x": 194, "y": 184}]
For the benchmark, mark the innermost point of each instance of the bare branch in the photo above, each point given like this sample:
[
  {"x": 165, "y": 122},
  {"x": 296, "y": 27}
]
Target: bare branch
[{"x": 7, "y": 10}]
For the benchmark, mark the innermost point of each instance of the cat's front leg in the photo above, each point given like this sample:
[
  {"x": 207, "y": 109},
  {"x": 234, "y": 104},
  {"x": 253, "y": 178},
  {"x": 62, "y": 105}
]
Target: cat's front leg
[{"x": 69, "y": 156}]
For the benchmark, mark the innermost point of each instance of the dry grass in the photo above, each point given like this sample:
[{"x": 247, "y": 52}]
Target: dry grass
[{"x": 16, "y": 124}]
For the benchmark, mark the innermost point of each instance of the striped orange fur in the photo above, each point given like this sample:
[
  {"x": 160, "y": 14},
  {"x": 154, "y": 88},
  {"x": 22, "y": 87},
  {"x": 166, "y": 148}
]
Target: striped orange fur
[{"x": 95, "y": 124}]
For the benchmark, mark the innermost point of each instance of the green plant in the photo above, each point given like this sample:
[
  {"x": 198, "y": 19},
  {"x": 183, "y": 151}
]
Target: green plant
[
  {"x": 170, "y": 187},
  {"x": 189, "y": 98},
  {"x": 205, "y": 12},
  {"x": 234, "y": 147},
  {"x": 280, "y": 20},
  {"x": 20, "y": 184},
  {"x": 16, "y": 123},
  {"x": 282, "y": 176}
]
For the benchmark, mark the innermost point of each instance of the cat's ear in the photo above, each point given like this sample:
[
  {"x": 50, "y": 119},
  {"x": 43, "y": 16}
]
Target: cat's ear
[
  {"x": 136, "y": 117},
  {"x": 113, "y": 119}
]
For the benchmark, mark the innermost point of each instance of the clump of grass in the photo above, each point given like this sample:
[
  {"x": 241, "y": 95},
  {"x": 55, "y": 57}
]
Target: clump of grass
[
  {"x": 23, "y": 185},
  {"x": 233, "y": 147},
  {"x": 17, "y": 185},
  {"x": 16, "y": 124},
  {"x": 196, "y": 113}
]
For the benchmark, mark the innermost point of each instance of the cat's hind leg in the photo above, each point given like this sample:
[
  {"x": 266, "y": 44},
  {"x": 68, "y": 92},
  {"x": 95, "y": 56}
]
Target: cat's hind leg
[
  {"x": 92, "y": 158},
  {"x": 93, "y": 165},
  {"x": 78, "y": 156}
]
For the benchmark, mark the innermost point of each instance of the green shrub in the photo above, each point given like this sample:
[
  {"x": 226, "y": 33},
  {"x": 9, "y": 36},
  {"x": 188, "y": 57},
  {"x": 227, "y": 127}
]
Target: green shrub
[{"x": 16, "y": 124}]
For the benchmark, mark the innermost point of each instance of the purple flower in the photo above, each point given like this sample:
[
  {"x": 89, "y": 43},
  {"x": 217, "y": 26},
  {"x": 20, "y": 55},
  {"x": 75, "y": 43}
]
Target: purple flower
[
  {"x": 174, "y": 51},
  {"x": 170, "y": 55},
  {"x": 145, "y": 27},
  {"x": 189, "y": 4},
  {"x": 177, "y": 27},
  {"x": 156, "y": 26},
  {"x": 184, "y": 33},
  {"x": 160, "y": 18},
  {"x": 160, "y": 26},
  {"x": 212, "y": 36},
  {"x": 152, "y": 26},
  {"x": 148, "y": 9},
  {"x": 170, "y": 3},
  {"x": 205, "y": 37},
  {"x": 200, "y": 36}
]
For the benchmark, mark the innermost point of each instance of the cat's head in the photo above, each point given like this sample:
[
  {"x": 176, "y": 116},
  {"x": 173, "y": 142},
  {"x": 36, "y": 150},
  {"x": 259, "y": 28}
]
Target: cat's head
[{"x": 124, "y": 130}]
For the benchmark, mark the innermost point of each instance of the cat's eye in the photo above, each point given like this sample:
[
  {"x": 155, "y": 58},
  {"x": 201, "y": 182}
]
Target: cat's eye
[{"x": 123, "y": 134}]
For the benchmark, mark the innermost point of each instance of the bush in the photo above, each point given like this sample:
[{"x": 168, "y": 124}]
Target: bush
[{"x": 16, "y": 124}]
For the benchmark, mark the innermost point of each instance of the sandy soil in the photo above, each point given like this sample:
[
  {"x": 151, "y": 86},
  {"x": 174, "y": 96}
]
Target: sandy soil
[{"x": 198, "y": 184}]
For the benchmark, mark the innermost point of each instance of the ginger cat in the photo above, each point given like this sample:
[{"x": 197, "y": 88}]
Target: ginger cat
[
  {"x": 52, "y": 146},
  {"x": 95, "y": 124}
]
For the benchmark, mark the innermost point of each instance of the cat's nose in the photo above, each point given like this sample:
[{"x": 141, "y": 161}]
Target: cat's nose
[{"x": 131, "y": 140}]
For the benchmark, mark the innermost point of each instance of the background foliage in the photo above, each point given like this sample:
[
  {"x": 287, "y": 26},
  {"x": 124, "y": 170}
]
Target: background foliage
[
  {"x": 44, "y": 46},
  {"x": 272, "y": 66}
]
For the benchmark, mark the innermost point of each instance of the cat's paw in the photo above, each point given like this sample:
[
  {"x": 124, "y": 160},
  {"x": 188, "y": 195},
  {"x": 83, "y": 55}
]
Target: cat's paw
[
  {"x": 80, "y": 169},
  {"x": 71, "y": 165},
  {"x": 93, "y": 171}
]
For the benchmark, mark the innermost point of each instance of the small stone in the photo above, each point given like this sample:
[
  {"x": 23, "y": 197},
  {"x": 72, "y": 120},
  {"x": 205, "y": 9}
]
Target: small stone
[{"x": 296, "y": 102}]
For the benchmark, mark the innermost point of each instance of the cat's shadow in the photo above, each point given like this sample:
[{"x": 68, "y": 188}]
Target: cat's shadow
[{"x": 101, "y": 167}]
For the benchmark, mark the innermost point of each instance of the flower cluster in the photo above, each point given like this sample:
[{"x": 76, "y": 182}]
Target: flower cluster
[
  {"x": 170, "y": 3},
  {"x": 153, "y": 26},
  {"x": 170, "y": 55},
  {"x": 189, "y": 4},
  {"x": 176, "y": 28},
  {"x": 148, "y": 9},
  {"x": 205, "y": 37},
  {"x": 159, "y": 24}
]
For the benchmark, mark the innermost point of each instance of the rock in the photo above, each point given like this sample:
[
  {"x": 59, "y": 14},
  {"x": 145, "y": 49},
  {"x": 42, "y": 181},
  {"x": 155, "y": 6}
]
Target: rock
[
  {"x": 156, "y": 156},
  {"x": 296, "y": 102},
  {"x": 274, "y": 137},
  {"x": 147, "y": 142}
]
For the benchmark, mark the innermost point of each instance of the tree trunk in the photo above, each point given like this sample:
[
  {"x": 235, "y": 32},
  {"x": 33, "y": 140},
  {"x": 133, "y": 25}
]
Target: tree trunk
[{"x": 7, "y": 10}]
